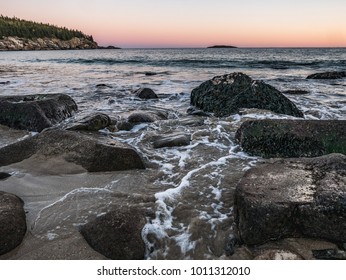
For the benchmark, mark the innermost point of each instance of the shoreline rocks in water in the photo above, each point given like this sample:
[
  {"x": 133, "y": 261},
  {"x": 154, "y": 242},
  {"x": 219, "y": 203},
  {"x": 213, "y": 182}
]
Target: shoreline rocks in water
[
  {"x": 225, "y": 95},
  {"x": 172, "y": 140},
  {"x": 293, "y": 198},
  {"x": 328, "y": 75},
  {"x": 23, "y": 44},
  {"x": 94, "y": 122},
  {"x": 12, "y": 221},
  {"x": 145, "y": 93},
  {"x": 292, "y": 138},
  {"x": 35, "y": 112},
  {"x": 74, "y": 147},
  {"x": 117, "y": 234}
]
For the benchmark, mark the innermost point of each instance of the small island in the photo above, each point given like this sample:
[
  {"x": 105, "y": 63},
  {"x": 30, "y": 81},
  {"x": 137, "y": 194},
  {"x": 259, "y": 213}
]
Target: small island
[{"x": 221, "y": 47}]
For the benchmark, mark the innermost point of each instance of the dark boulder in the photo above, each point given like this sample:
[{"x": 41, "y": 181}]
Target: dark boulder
[
  {"x": 92, "y": 123},
  {"x": 4, "y": 175},
  {"x": 289, "y": 198},
  {"x": 292, "y": 138},
  {"x": 225, "y": 95},
  {"x": 172, "y": 140},
  {"x": 328, "y": 75},
  {"x": 146, "y": 93},
  {"x": 117, "y": 235},
  {"x": 12, "y": 221},
  {"x": 92, "y": 154},
  {"x": 35, "y": 112}
]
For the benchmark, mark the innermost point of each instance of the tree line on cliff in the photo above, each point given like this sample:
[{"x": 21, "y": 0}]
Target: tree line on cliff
[{"x": 31, "y": 30}]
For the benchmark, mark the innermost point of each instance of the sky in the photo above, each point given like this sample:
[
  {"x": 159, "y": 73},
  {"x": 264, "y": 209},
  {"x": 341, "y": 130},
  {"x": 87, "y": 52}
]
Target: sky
[{"x": 193, "y": 23}]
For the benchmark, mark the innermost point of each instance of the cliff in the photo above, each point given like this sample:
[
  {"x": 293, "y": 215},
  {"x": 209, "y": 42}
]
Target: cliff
[{"x": 21, "y": 44}]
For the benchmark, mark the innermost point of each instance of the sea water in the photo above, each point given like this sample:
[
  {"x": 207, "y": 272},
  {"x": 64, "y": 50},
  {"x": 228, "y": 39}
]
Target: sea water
[{"x": 186, "y": 192}]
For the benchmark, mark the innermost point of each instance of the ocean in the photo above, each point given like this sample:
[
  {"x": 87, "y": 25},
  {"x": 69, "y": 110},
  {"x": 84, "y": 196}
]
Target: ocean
[{"x": 187, "y": 191}]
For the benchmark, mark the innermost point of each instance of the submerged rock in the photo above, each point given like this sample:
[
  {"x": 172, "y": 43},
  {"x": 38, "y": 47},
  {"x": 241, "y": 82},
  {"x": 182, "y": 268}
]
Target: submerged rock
[
  {"x": 296, "y": 91},
  {"x": 172, "y": 140},
  {"x": 12, "y": 221},
  {"x": 328, "y": 75},
  {"x": 92, "y": 154},
  {"x": 292, "y": 138},
  {"x": 35, "y": 112},
  {"x": 288, "y": 198},
  {"x": 146, "y": 93},
  {"x": 225, "y": 95},
  {"x": 117, "y": 234}
]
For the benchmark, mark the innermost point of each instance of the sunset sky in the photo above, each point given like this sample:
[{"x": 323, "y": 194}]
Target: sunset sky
[{"x": 194, "y": 23}]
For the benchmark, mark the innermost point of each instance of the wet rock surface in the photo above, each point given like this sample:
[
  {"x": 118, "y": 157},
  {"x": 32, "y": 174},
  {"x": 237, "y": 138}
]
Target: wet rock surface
[
  {"x": 146, "y": 93},
  {"x": 35, "y": 112},
  {"x": 92, "y": 123},
  {"x": 225, "y": 95},
  {"x": 117, "y": 234},
  {"x": 173, "y": 140},
  {"x": 328, "y": 75},
  {"x": 290, "y": 198},
  {"x": 292, "y": 138},
  {"x": 91, "y": 154},
  {"x": 12, "y": 220}
]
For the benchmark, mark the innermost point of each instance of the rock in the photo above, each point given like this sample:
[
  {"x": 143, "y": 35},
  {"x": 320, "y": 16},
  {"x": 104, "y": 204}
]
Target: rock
[
  {"x": 92, "y": 154},
  {"x": 5, "y": 83},
  {"x": 328, "y": 75},
  {"x": 172, "y": 140},
  {"x": 139, "y": 116},
  {"x": 12, "y": 220},
  {"x": 4, "y": 175},
  {"x": 293, "y": 198},
  {"x": 329, "y": 254},
  {"x": 150, "y": 73},
  {"x": 93, "y": 123},
  {"x": 296, "y": 91},
  {"x": 225, "y": 95},
  {"x": 35, "y": 112},
  {"x": 292, "y": 138},
  {"x": 125, "y": 125},
  {"x": 103, "y": 86},
  {"x": 192, "y": 111},
  {"x": 109, "y": 48},
  {"x": 146, "y": 93},
  {"x": 117, "y": 235}
]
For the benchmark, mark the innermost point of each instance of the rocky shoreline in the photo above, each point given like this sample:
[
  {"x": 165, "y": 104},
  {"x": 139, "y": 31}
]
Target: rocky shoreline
[
  {"x": 291, "y": 205},
  {"x": 22, "y": 44}
]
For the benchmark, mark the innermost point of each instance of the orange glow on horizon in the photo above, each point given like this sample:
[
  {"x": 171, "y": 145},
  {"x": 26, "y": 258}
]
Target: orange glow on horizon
[{"x": 194, "y": 23}]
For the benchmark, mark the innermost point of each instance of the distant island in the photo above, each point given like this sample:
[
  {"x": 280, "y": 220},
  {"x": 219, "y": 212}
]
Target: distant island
[
  {"x": 18, "y": 34},
  {"x": 222, "y": 47}
]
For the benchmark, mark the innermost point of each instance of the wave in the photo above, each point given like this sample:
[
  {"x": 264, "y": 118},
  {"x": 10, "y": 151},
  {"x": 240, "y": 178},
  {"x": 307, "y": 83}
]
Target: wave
[{"x": 205, "y": 63}]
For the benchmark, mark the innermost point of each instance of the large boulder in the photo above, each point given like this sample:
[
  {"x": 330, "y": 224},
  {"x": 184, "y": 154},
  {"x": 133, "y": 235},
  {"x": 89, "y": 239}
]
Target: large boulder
[
  {"x": 298, "y": 197},
  {"x": 92, "y": 154},
  {"x": 225, "y": 95},
  {"x": 12, "y": 221},
  {"x": 117, "y": 234},
  {"x": 35, "y": 112},
  {"x": 292, "y": 138},
  {"x": 328, "y": 75}
]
